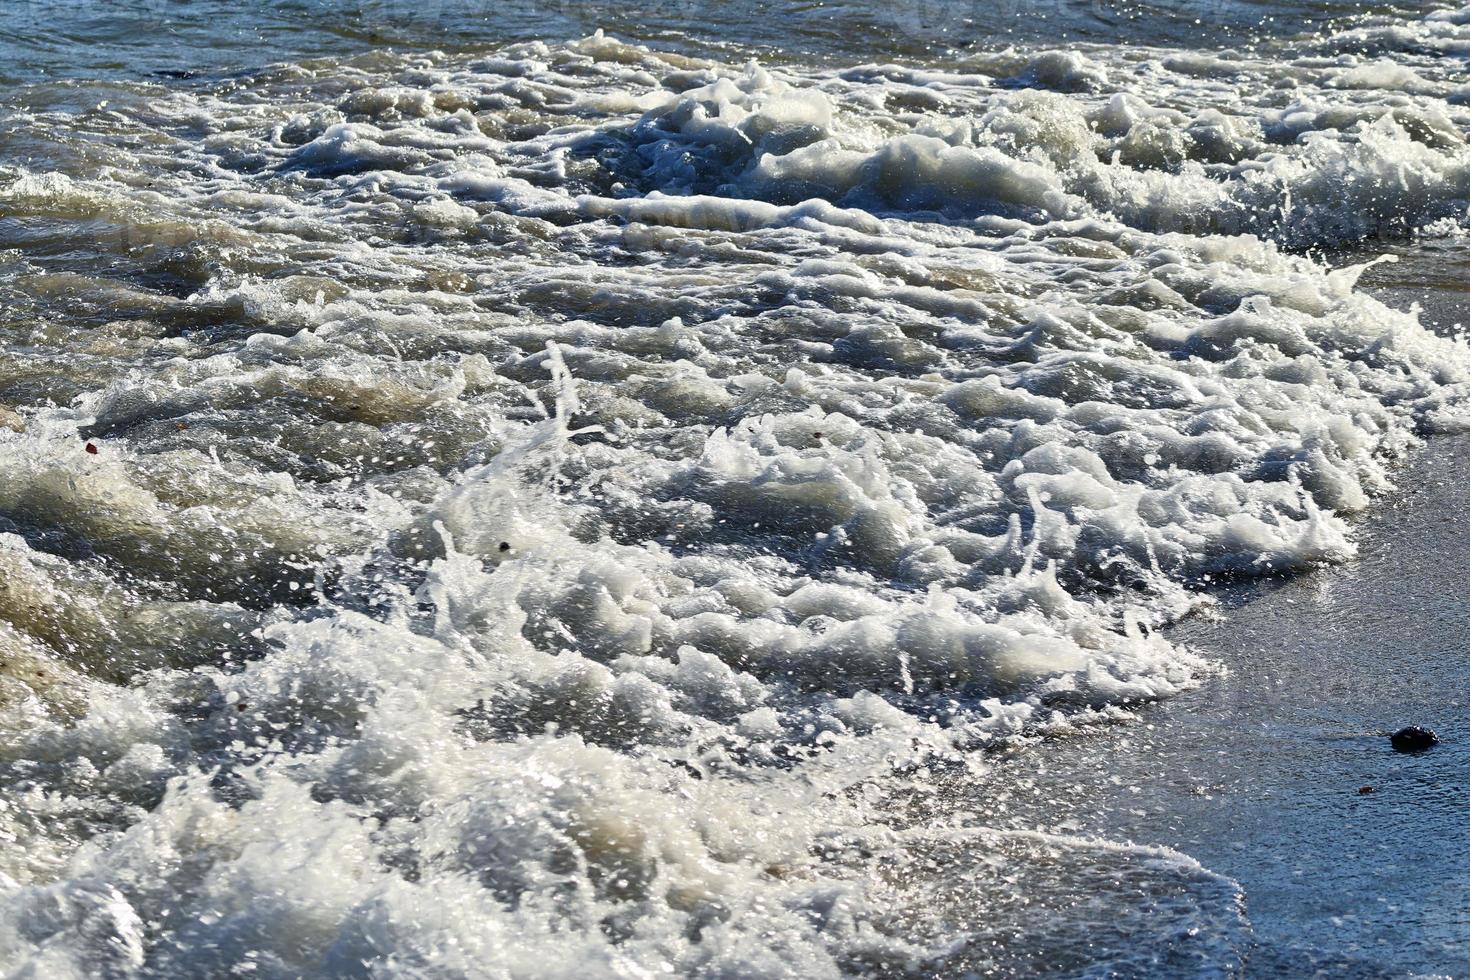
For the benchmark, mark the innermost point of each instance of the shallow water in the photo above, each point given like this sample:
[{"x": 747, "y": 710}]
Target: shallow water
[
  {"x": 89, "y": 39},
  {"x": 485, "y": 497}
]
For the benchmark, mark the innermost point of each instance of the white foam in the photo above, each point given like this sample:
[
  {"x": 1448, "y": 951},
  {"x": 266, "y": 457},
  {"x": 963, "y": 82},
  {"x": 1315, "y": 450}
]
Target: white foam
[{"x": 587, "y": 473}]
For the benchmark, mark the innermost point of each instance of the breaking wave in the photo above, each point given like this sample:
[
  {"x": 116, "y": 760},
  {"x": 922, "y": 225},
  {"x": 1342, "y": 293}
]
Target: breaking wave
[{"x": 535, "y": 512}]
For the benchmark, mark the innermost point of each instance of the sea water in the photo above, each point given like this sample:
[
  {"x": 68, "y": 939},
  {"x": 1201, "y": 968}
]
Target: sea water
[{"x": 556, "y": 489}]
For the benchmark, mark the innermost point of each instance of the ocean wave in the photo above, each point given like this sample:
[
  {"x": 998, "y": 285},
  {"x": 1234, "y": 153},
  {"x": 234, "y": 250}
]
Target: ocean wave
[{"x": 520, "y": 513}]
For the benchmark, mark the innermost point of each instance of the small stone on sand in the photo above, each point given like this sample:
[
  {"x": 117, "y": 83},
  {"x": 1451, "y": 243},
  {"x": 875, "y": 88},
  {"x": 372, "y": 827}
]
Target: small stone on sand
[{"x": 1413, "y": 739}]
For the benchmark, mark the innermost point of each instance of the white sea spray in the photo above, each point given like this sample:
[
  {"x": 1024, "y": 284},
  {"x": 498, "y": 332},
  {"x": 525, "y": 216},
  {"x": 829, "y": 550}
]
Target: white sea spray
[{"x": 580, "y": 478}]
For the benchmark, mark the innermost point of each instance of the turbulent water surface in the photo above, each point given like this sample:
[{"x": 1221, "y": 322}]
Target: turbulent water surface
[{"x": 548, "y": 489}]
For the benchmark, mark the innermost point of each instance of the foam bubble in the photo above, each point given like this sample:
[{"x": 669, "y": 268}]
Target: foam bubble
[{"x": 542, "y": 502}]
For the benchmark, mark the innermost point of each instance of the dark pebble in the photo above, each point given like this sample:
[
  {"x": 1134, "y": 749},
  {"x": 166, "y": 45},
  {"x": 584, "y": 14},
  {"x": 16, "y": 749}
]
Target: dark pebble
[{"x": 1413, "y": 739}]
